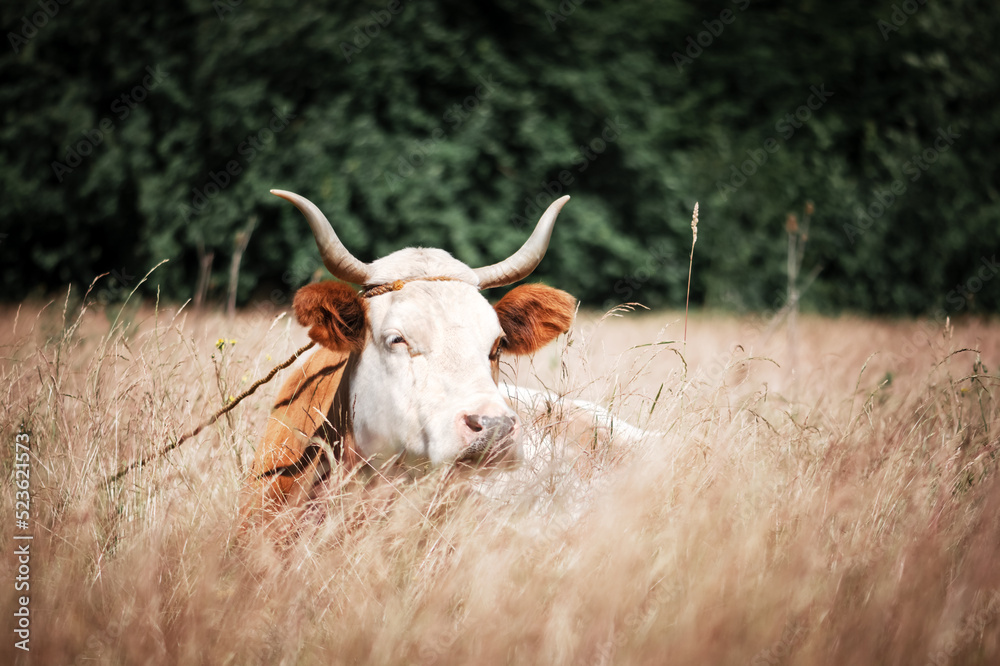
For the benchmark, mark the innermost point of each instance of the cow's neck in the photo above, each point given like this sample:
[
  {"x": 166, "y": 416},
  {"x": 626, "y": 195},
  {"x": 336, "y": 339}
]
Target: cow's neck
[{"x": 339, "y": 430}]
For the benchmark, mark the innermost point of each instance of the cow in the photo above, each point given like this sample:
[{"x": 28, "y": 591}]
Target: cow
[{"x": 407, "y": 368}]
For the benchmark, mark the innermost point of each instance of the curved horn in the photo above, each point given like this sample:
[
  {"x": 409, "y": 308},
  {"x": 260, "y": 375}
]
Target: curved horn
[
  {"x": 520, "y": 264},
  {"x": 337, "y": 258}
]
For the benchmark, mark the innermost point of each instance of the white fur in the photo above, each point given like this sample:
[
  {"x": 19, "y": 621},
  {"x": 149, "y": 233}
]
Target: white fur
[
  {"x": 419, "y": 262},
  {"x": 409, "y": 398},
  {"x": 539, "y": 401}
]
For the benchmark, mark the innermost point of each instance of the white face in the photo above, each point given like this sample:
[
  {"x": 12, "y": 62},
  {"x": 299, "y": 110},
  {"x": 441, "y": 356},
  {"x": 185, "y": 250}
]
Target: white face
[{"x": 423, "y": 386}]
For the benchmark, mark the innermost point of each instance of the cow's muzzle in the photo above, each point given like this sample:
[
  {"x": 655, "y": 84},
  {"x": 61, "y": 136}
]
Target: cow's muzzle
[{"x": 494, "y": 440}]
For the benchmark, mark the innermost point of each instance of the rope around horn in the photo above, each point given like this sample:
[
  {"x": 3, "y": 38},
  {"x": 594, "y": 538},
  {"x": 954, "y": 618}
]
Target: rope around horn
[
  {"x": 215, "y": 417},
  {"x": 396, "y": 285}
]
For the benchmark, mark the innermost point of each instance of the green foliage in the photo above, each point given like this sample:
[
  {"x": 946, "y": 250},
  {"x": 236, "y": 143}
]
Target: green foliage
[{"x": 452, "y": 124}]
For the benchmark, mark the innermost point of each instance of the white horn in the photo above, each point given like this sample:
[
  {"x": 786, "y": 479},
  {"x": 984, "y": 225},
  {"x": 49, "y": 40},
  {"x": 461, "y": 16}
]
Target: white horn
[
  {"x": 337, "y": 258},
  {"x": 520, "y": 264}
]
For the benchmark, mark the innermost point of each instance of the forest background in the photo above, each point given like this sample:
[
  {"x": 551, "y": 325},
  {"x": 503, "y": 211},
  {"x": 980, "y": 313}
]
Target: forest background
[{"x": 137, "y": 132}]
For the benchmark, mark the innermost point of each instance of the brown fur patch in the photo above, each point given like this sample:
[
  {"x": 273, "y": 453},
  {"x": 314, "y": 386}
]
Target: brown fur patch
[
  {"x": 534, "y": 315},
  {"x": 291, "y": 459},
  {"x": 334, "y": 314}
]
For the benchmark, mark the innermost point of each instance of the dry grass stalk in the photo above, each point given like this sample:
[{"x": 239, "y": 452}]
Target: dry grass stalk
[
  {"x": 687, "y": 297},
  {"x": 145, "y": 459},
  {"x": 852, "y": 522}
]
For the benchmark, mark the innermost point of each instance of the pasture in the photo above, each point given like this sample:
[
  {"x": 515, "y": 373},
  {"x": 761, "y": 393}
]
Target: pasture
[{"x": 826, "y": 498}]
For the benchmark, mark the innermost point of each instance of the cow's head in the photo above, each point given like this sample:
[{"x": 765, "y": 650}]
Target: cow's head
[{"x": 426, "y": 344}]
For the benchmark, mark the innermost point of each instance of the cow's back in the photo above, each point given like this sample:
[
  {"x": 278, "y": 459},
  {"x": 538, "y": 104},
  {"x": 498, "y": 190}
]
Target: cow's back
[{"x": 309, "y": 425}]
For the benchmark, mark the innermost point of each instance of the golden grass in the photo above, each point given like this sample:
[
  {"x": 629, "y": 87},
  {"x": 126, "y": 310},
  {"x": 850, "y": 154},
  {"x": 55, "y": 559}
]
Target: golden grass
[{"x": 845, "y": 511}]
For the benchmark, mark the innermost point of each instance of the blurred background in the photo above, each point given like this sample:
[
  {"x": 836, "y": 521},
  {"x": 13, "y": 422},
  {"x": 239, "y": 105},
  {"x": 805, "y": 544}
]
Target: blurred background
[{"x": 137, "y": 132}]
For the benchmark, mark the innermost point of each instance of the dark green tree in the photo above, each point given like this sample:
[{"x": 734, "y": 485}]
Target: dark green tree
[{"x": 139, "y": 132}]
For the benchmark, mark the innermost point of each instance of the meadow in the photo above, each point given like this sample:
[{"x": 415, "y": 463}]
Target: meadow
[{"x": 825, "y": 495}]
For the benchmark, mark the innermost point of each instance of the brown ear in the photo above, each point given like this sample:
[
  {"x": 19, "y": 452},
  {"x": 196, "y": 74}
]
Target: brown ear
[
  {"x": 534, "y": 315},
  {"x": 335, "y": 314}
]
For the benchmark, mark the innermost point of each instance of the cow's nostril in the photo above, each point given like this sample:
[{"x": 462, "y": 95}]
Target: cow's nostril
[{"x": 474, "y": 421}]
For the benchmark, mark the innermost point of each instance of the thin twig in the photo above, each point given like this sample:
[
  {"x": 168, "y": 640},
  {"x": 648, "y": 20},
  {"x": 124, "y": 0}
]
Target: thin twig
[
  {"x": 242, "y": 241},
  {"x": 215, "y": 417},
  {"x": 793, "y": 233}
]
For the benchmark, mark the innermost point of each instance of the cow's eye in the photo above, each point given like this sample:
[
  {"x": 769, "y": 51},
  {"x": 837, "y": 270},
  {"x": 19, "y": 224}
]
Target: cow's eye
[{"x": 395, "y": 339}]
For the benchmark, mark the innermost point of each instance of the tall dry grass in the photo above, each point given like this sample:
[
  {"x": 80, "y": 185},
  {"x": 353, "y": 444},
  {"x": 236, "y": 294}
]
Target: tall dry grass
[{"x": 846, "y": 513}]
